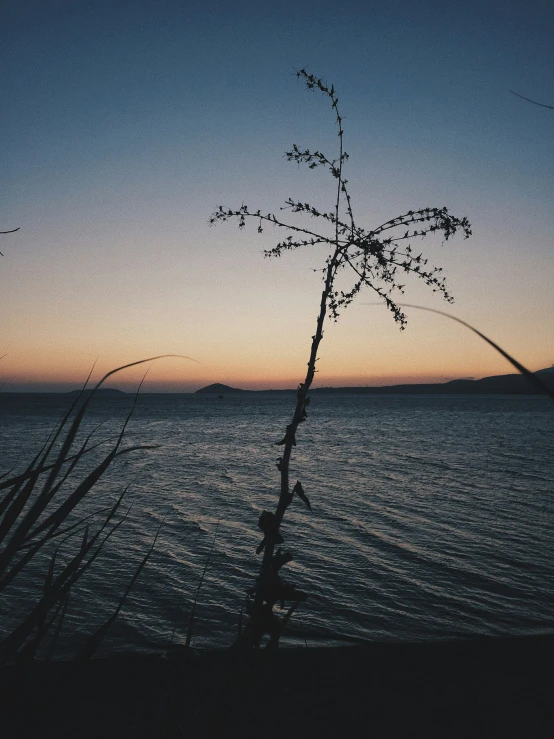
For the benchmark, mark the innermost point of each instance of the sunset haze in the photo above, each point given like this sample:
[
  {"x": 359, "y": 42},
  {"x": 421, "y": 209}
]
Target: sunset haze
[{"x": 126, "y": 124}]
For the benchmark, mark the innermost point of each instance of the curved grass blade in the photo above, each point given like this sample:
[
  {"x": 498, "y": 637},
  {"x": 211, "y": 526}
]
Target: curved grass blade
[
  {"x": 59, "y": 587},
  {"x": 542, "y": 105},
  {"x": 8, "y": 472},
  {"x": 180, "y": 596},
  {"x": 69, "y": 504},
  {"x": 193, "y": 611},
  {"x": 95, "y": 640},
  {"x": 531, "y": 376},
  {"x": 16, "y": 569},
  {"x": 54, "y": 520},
  {"x": 18, "y": 479},
  {"x": 32, "y": 474},
  {"x": 64, "y": 603},
  {"x": 70, "y": 437}
]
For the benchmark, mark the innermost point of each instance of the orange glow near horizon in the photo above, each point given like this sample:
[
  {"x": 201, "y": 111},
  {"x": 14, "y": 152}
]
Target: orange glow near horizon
[
  {"x": 174, "y": 376},
  {"x": 113, "y": 183},
  {"x": 363, "y": 348}
]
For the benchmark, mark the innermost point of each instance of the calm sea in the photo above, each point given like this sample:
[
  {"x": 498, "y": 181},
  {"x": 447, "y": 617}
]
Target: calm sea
[{"x": 432, "y": 516}]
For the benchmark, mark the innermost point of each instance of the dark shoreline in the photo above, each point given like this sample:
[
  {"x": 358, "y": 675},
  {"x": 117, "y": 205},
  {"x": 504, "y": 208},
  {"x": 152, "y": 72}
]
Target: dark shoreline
[
  {"x": 510, "y": 384},
  {"x": 477, "y": 687}
]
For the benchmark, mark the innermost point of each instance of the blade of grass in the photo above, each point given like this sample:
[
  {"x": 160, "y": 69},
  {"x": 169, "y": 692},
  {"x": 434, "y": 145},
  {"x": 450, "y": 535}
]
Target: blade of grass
[
  {"x": 193, "y": 611},
  {"x": 28, "y": 652},
  {"x": 80, "y": 522},
  {"x": 92, "y": 644},
  {"x": 20, "y": 564},
  {"x": 46, "y": 468},
  {"x": 179, "y": 598},
  {"x": 60, "y": 586},
  {"x": 531, "y": 376},
  {"x": 67, "y": 506},
  {"x": 32, "y": 474},
  {"x": 53, "y": 643},
  {"x": 16, "y": 501},
  {"x": 74, "y": 527},
  {"x": 54, "y": 520},
  {"x": 68, "y": 441},
  {"x": 8, "y": 472}
]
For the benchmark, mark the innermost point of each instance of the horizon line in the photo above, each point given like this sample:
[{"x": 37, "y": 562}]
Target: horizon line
[{"x": 42, "y": 390}]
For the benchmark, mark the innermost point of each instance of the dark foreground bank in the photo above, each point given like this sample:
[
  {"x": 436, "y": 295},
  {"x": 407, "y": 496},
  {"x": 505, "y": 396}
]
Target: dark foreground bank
[{"x": 486, "y": 687}]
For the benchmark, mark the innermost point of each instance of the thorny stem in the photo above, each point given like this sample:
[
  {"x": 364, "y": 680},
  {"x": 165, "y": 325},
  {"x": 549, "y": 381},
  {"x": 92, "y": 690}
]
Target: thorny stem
[
  {"x": 303, "y": 389},
  {"x": 290, "y": 437},
  {"x": 375, "y": 261},
  {"x": 299, "y": 415}
]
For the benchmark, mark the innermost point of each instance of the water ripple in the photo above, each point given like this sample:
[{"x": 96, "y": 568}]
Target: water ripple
[{"x": 432, "y": 516}]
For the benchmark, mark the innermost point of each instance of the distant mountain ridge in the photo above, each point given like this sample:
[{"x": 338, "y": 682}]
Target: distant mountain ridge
[{"x": 513, "y": 384}]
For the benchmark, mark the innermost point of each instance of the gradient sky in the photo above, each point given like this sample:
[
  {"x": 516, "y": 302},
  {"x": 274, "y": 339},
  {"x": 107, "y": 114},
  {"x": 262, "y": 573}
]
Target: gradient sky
[{"x": 125, "y": 123}]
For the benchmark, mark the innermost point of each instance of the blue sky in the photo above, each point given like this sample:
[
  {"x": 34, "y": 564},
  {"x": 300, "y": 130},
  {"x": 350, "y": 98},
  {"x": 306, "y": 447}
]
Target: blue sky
[{"x": 126, "y": 123}]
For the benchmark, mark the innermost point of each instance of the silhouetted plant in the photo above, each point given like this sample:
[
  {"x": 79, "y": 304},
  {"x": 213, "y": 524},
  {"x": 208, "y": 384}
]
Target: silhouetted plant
[
  {"x": 34, "y": 513},
  {"x": 374, "y": 258}
]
